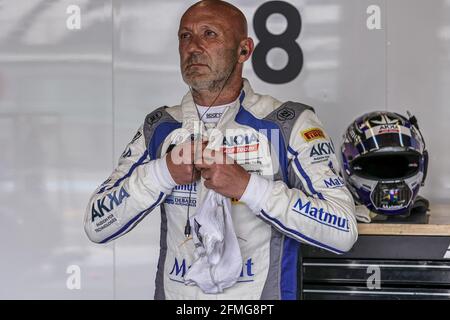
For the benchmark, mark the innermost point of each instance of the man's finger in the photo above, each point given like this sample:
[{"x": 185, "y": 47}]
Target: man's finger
[
  {"x": 206, "y": 174},
  {"x": 201, "y": 165},
  {"x": 208, "y": 184}
]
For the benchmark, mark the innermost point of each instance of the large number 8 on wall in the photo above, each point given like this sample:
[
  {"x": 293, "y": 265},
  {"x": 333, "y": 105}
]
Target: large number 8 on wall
[{"x": 286, "y": 41}]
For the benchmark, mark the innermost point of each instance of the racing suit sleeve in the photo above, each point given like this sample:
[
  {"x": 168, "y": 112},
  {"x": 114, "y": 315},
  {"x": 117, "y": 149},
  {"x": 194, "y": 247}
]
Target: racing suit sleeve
[
  {"x": 319, "y": 210},
  {"x": 136, "y": 186}
]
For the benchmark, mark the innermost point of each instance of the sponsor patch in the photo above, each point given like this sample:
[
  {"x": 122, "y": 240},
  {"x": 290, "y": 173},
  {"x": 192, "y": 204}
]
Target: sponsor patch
[
  {"x": 240, "y": 139},
  {"x": 181, "y": 266},
  {"x": 109, "y": 202},
  {"x": 242, "y": 143},
  {"x": 180, "y": 201},
  {"x": 321, "y": 152},
  {"x": 215, "y": 115},
  {"x": 154, "y": 118},
  {"x": 321, "y": 216},
  {"x": 243, "y": 149},
  {"x": 313, "y": 134},
  {"x": 180, "y": 195},
  {"x": 136, "y": 136},
  {"x": 387, "y": 128},
  {"x": 105, "y": 223},
  {"x": 333, "y": 183},
  {"x": 285, "y": 114}
]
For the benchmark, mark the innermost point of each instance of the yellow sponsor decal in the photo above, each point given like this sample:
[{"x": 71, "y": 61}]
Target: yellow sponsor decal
[{"x": 313, "y": 134}]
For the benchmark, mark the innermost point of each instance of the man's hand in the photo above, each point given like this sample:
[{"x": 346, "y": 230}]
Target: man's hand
[
  {"x": 222, "y": 174},
  {"x": 180, "y": 161}
]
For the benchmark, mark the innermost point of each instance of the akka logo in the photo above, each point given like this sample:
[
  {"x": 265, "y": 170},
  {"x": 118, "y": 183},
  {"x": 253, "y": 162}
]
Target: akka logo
[
  {"x": 179, "y": 270},
  {"x": 321, "y": 149},
  {"x": 320, "y": 215},
  {"x": 389, "y": 128},
  {"x": 99, "y": 208},
  {"x": 334, "y": 183},
  {"x": 240, "y": 143},
  {"x": 313, "y": 134}
]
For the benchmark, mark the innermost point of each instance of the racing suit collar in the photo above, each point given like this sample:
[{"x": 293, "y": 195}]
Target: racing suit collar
[{"x": 190, "y": 114}]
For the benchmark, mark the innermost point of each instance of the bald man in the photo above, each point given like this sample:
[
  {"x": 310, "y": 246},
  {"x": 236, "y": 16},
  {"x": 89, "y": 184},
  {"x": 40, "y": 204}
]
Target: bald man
[{"x": 273, "y": 159}]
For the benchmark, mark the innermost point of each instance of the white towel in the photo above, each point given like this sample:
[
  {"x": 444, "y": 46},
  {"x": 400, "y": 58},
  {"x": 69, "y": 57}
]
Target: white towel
[
  {"x": 362, "y": 214},
  {"x": 218, "y": 263}
]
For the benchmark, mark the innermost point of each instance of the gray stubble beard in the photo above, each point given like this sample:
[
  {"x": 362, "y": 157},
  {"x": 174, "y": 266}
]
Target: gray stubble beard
[{"x": 215, "y": 85}]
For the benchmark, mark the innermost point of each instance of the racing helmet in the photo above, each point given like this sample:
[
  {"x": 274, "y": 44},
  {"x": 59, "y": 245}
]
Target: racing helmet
[{"x": 384, "y": 161}]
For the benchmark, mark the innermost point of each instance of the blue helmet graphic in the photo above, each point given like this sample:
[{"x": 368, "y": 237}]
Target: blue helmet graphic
[{"x": 384, "y": 161}]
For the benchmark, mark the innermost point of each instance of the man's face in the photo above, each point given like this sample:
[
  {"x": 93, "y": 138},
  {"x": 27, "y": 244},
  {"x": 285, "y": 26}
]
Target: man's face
[{"x": 208, "y": 48}]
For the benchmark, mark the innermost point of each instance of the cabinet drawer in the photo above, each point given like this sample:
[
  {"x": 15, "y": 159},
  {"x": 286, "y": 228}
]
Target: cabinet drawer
[
  {"x": 389, "y": 273},
  {"x": 312, "y": 292}
]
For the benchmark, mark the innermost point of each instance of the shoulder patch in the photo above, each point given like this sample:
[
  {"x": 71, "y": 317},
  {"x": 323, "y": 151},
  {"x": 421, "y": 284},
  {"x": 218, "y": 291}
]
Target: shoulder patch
[
  {"x": 153, "y": 118},
  {"x": 285, "y": 113},
  {"x": 156, "y": 120},
  {"x": 284, "y": 117}
]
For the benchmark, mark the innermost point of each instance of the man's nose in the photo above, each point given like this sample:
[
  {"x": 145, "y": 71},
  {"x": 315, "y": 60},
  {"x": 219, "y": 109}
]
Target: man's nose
[{"x": 195, "y": 45}]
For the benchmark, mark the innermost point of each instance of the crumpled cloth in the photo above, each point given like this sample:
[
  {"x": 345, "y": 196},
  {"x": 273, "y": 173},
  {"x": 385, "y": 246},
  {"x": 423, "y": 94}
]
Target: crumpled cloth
[{"x": 218, "y": 259}]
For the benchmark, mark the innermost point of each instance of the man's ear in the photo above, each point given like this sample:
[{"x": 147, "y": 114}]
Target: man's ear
[{"x": 246, "y": 47}]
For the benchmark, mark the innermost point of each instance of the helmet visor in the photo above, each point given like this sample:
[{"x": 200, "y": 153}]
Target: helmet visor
[{"x": 387, "y": 166}]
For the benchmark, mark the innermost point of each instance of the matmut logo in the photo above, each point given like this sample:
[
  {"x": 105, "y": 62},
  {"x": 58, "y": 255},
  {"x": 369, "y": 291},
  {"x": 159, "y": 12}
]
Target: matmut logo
[
  {"x": 180, "y": 267},
  {"x": 336, "y": 182},
  {"x": 321, "y": 216},
  {"x": 241, "y": 143}
]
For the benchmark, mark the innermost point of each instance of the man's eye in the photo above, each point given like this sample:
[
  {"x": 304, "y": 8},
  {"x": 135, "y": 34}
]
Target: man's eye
[
  {"x": 210, "y": 33},
  {"x": 184, "y": 36}
]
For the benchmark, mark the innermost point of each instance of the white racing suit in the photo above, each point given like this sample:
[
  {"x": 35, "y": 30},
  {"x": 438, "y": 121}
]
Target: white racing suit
[{"x": 294, "y": 195}]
